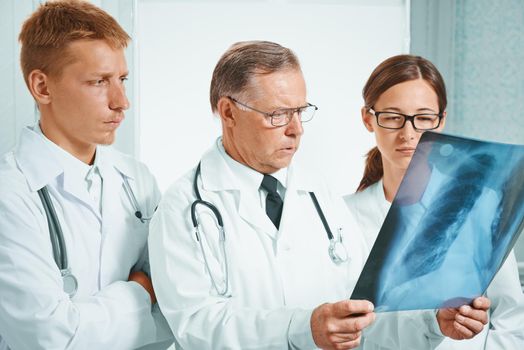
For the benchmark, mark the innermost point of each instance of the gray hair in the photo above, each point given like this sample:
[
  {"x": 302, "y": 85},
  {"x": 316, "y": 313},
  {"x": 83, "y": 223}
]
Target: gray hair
[{"x": 234, "y": 72}]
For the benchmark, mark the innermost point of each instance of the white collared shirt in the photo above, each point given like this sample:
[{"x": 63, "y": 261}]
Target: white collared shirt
[
  {"x": 90, "y": 173},
  {"x": 252, "y": 178}
]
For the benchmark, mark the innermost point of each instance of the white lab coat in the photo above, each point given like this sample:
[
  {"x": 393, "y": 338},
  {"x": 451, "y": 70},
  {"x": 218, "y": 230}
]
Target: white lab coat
[
  {"x": 107, "y": 312},
  {"x": 276, "y": 277},
  {"x": 505, "y": 329}
]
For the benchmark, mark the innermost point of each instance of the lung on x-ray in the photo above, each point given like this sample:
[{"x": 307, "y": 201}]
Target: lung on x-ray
[{"x": 457, "y": 214}]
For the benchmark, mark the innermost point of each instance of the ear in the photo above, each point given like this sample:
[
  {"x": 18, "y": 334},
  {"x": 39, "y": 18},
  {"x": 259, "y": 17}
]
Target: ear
[
  {"x": 443, "y": 121},
  {"x": 38, "y": 83},
  {"x": 226, "y": 112},
  {"x": 367, "y": 118}
]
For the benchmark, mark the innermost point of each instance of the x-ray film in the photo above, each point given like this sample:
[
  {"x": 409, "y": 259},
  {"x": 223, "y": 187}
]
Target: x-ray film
[{"x": 457, "y": 214}]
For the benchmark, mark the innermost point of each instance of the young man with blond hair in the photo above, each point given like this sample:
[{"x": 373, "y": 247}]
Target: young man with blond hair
[{"x": 91, "y": 290}]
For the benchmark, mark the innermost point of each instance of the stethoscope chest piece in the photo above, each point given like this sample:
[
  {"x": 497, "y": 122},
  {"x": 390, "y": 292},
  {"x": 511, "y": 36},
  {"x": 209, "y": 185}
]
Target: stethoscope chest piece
[
  {"x": 337, "y": 251},
  {"x": 70, "y": 282}
]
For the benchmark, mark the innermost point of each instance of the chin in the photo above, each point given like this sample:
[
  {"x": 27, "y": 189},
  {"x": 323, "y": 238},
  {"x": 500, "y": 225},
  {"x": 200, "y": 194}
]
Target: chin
[
  {"x": 107, "y": 140},
  {"x": 405, "y": 165},
  {"x": 281, "y": 164}
]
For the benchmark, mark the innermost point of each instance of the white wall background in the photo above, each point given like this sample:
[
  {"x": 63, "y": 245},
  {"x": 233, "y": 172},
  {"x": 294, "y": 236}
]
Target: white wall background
[
  {"x": 175, "y": 46},
  {"x": 338, "y": 43}
]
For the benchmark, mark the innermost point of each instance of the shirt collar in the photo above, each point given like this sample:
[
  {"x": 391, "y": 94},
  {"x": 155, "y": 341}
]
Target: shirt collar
[
  {"x": 281, "y": 176},
  {"x": 68, "y": 162},
  {"x": 253, "y": 178},
  {"x": 105, "y": 159},
  {"x": 41, "y": 161}
]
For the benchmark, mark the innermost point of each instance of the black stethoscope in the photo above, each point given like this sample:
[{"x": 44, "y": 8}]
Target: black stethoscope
[
  {"x": 337, "y": 251},
  {"x": 57, "y": 236}
]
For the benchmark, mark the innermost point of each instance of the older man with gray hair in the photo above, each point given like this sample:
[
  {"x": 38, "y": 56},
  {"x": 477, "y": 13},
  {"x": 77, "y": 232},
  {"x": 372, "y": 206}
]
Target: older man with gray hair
[{"x": 250, "y": 250}]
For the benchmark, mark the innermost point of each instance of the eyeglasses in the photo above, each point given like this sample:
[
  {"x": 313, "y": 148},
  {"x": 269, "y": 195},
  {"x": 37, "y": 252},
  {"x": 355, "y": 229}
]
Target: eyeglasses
[
  {"x": 421, "y": 121},
  {"x": 283, "y": 116}
]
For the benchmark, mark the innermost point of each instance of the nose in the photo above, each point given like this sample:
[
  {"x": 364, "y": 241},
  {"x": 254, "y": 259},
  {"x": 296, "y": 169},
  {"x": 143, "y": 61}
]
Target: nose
[
  {"x": 408, "y": 131},
  {"x": 117, "y": 97},
  {"x": 295, "y": 125}
]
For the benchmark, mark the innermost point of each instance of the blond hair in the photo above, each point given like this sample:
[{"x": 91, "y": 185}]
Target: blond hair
[{"x": 47, "y": 33}]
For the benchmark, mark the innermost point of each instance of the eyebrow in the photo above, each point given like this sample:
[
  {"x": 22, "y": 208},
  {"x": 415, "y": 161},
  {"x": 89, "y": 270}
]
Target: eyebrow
[
  {"x": 395, "y": 109},
  {"x": 108, "y": 74},
  {"x": 277, "y": 108}
]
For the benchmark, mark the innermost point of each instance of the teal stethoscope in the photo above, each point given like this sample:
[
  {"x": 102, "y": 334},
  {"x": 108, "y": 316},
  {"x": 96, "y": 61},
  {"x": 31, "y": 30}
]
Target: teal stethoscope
[
  {"x": 337, "y": 251},
  {"x": 57, "y": 237}
]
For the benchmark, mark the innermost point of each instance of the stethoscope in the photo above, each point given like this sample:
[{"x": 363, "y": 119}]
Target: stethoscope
[
  {"x": 57, "y": 236},
  {"x": 337, "y": 251}
]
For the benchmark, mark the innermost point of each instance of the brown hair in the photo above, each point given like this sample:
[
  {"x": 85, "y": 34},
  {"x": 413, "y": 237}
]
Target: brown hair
[
  {"x": 46, "y": 34},
  {"x": 393, "y": 71},
  {"x": 242, "y": 61}
]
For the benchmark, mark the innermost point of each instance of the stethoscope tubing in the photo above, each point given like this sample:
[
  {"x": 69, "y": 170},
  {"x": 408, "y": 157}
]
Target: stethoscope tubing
[
  {"x": 55, "y": 230},
  {"x": 222, "y": 235},
  {"x": 134, "y": 202},
  {"x": 333, "y": 243},
  {"x": 56, "y": 234},
  {"x": 322, "y": 216}
]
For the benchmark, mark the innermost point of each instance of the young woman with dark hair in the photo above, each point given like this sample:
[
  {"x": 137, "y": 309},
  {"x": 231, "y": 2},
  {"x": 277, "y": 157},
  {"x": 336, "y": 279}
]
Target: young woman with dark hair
[{"x": 405, "y": 96}]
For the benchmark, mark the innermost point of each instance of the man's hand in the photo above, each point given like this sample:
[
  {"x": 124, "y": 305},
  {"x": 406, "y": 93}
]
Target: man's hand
[
  {"x": 340, "y": 325},
  {"x": 142, "y": 279},
  {"x": 466, "y": 321}
]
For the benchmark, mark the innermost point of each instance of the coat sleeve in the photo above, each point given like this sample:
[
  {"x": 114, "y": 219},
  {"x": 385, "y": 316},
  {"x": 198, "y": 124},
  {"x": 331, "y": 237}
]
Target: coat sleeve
[
  {"x": 35, "y": 313},
  {"x": 149, "y": 198},
  {"x": 407, "y": 330},
  {"x": 507, "y": 308},
  {"x": 149, "y": 201},
  {"x": 197, "y": 315}
]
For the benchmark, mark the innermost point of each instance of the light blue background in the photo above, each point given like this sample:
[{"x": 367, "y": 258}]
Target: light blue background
[{"x": 479, "y": 48}]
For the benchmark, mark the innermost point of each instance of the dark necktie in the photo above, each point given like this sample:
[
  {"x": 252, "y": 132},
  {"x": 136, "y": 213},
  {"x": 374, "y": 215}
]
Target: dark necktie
[{"x": 274, "y": 203}]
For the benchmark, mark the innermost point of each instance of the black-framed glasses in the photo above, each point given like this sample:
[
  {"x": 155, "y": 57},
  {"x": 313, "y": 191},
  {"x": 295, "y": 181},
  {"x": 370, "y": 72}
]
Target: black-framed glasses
[
  {"x": 283, "y": 116},
  {"x": 419, "y": 121}
]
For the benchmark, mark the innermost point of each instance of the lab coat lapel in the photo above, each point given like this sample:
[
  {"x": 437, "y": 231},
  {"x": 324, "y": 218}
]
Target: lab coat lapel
[
  {"x": 40, "y": 167},
  {"x": 218, "y": 176},
  {"x": 291, "y": 211},
  {"x": 250, "y": 210},
  {"x": 111, "y": 186},
  {"x": 298, "y": 182},
  {"x": 35, "y": 160}
]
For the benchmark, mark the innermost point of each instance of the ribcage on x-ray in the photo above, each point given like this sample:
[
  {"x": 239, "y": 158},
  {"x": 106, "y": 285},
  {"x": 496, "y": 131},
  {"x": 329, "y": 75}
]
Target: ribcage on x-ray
[{"x": 445, "y": 216}]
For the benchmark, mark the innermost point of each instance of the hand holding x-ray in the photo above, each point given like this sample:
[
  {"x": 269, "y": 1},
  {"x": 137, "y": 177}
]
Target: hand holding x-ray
[
  {"x": 466, "y": 321},
  {"x": 339, "y": 325}
]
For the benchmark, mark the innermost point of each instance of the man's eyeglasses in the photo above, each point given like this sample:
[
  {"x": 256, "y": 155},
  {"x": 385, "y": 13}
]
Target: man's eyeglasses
[
  {"x": 283, "y": 116},
  {"x": 421, "y": 121}
]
